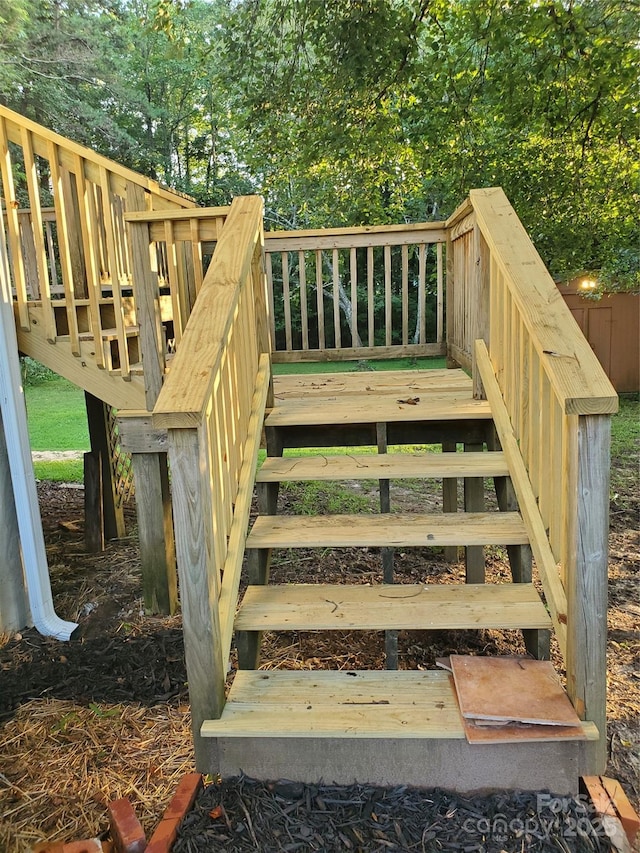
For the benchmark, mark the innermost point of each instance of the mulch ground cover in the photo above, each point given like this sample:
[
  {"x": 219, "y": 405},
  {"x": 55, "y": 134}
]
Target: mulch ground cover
[
  {"x": 241, "y": 814},
  {"x": 106, "y": 715}
]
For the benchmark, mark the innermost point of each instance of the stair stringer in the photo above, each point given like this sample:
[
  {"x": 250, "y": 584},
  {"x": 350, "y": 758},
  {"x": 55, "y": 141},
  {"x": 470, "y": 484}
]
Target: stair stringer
[{"x": 83, "y": 372}]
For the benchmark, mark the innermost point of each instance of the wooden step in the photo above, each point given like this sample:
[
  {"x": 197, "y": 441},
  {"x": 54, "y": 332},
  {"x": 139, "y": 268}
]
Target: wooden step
[
  {"x": 379, "y": 728},
  {"x": 339, "y": 704},
  {"x": 388, "y": 530},
  {"x": 400, "y": 383},
  {"x": 381, "y": 466},
  {"x": 319, "y": 607},
  {"x": 454, "y": 406},
  {"x": 345, "y": 704}
]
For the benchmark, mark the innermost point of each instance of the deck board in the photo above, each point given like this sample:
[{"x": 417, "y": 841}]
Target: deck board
[
  {"x": 339, "y": 704},
  {"x": 388, "y": 530},
  {"x": 391, "y": 606},
  {"x": 358, "y": 398},
  {"x": 354, "y": 466},
  {"x": 370, "y": 383}
]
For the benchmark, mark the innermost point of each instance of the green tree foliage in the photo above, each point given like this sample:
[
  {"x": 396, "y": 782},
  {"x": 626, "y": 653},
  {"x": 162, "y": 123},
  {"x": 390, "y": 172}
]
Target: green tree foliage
[
  {"x": 352, "y": 111},
  {"x": 375, "y": 110}
]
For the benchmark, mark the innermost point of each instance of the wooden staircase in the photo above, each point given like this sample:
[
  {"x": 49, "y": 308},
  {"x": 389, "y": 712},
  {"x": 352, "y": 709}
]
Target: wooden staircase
[{"x": 343, "y": 725}]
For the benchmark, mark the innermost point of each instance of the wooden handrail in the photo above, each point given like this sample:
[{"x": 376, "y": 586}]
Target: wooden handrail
[
  {"x": 551, "y": 401},
  {"x": 43, "y": 137},
  {"x": 183, "y": 404},
  {"x": 213, "y": 404},
  {"x": 577, "y": 377}
]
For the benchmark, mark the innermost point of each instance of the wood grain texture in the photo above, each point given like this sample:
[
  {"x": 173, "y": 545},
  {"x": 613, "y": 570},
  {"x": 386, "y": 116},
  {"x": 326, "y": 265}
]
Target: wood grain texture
[
  {"x": 396, "y": 529},
  {"x": 545, "y": 561},
  {"x": 183, "y": 404},
  {"x": 377, "y": 409},
  {"x": 384, "y": 382},
  {"x": 199, "y": 583},
  {"x": 324, "y": 354},
  {"x": 356, "y": 236},
  {"x": 586, "y": 580},
  {"x": 339, "y": 704},
  {"x": 155, "y": 532},
  {"x": 392, "y": 466},
  {"x": 390, "y": 606},
  {"x": 576, "y": 375}
]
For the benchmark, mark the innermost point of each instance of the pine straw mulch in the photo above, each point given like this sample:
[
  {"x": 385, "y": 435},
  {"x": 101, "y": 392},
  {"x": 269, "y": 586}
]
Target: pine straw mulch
[
  {"x": 63, "y": 763},
  {"x": 106, "y": 715}
]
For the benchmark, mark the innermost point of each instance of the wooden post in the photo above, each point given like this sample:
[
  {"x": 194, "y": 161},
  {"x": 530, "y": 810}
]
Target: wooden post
[
  {"x": 449, "y": 305},
  {"x": 474, "y": 502},
  {"x": 155, "y": 532},
  {"x": 199, "y": 586},
  {"x": 450, "y": 500},
  {"x": 390, "y": 637},
  {"x": 14, "y": 607},
  {"x": 153, "y": 501},
  {"x": 586, "y": 580},
  {"x": 93, "y": 503},
  {"x": 481, "y": 311},
  {"x": 112, "y": 512}
]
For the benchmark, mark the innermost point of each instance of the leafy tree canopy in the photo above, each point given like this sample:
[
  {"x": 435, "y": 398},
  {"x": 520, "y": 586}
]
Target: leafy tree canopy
[{"x": 351, "y": 111}]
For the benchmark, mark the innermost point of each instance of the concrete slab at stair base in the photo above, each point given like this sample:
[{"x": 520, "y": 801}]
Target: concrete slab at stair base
[{"x": 452, "y": 764}]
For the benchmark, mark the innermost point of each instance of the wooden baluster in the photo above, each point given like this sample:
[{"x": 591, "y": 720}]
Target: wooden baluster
[
  {"x": 335, "y": 268},
  {"x": 177, "y": 304},
  {"x": 304, "y": 314},
  {"x": 404, "y": 250},
  {"x": 370, "y": 298},
  {"x": 355, "y": 338},
  {"x": 272, "y": 318},
  {"x": 422, "y": 293},
  {"x": 75, "y": 233},
  {"x": 112, "y": 263},
  {"x": 29, "y": 254},
  {"x": 64, "y": 250},
  {"x": 439, "y": 294},
  {"x": 196, "y": 250},
  {"x": 286, "y": 296},
  {"x": 320, "y": 300},
  {"x": 31, "y": 174},
  {"x": 13, "y": 228},
  {"x": 90, "y": 251},
  {"x": 387, "y": 296}
]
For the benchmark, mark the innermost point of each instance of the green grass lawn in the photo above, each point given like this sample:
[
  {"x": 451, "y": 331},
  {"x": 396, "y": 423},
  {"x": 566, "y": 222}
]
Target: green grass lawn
[
  {"x": 56, "y": 416},
  {"x": 57, "y": 419},
  {"x": 304, "y": 367}
]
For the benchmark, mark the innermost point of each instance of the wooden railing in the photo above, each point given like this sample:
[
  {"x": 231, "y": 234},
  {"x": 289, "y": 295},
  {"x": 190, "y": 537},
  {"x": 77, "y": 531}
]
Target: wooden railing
[
  {"x": 356, "y": 293},
  {"x": 64, "y": 208},
  {"x": 212, "y": 404},
  {"x": 552, "y": 403}
]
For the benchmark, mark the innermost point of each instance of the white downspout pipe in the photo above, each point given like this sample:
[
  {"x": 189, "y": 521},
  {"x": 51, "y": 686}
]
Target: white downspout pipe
[{"x": 14, "y": 418}]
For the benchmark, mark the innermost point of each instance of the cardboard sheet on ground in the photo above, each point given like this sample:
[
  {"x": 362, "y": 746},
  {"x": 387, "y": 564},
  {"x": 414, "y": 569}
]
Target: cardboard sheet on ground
[{"x": 509, "y": 698}]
